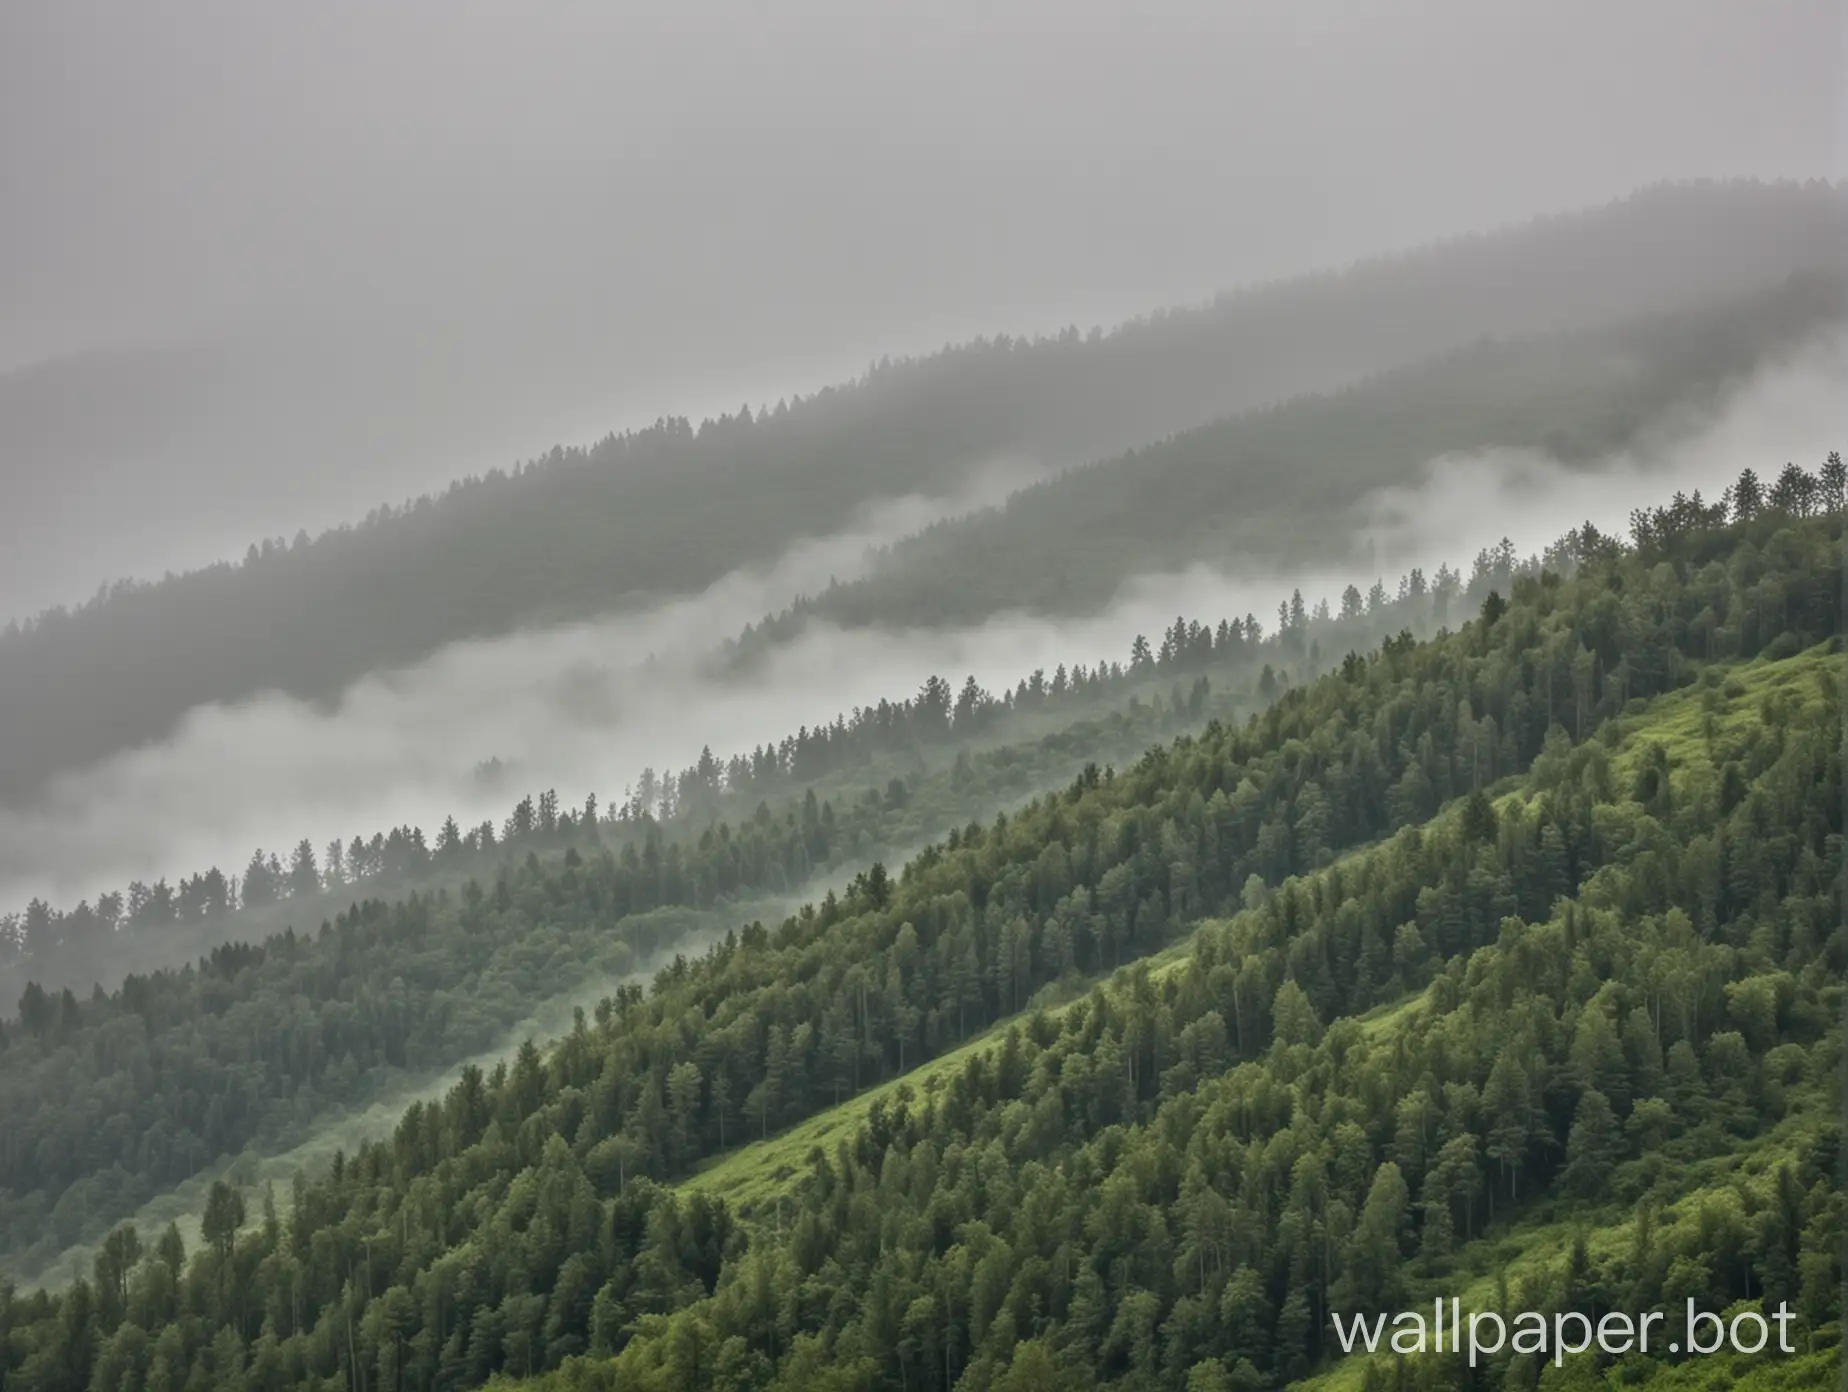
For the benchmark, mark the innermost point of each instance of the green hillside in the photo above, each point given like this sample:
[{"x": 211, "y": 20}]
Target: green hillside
[
  {"x": 259, "y": 1045},
  {"x": 1700, "y": 1184},
  {"x": 752, "y": 1178},
  {"x": 300, "y": 1039},
  {"x": 1676, "y": 724},
  {"x": 1532, "y": 929},
  {"x": 1517, "y": 1262}
]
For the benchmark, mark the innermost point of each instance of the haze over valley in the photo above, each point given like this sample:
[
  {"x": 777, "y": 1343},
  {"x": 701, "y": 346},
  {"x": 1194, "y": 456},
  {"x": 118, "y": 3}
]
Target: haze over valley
[{"x": 584, "y": 707}]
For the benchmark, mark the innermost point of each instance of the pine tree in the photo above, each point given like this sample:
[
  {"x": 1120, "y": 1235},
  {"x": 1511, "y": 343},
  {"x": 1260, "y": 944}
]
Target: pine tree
[
  {"x": 1593, "y": 1146},
  {"x": 1508, "y": 1103}
]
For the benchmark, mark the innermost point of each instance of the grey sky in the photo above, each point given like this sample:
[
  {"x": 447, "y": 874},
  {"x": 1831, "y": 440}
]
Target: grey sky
[{"x": 481, "y": 228}]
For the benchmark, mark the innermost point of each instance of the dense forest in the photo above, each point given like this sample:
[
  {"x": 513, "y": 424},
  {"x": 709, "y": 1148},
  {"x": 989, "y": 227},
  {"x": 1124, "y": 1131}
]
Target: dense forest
[
  {"x": 582, "y": 530},
  {"x": 106, "y": 1100},
  {"x": 146, "y": 926},
  {"x": 306, "y": 1028},
  {"x": 1536, "y": 922}
]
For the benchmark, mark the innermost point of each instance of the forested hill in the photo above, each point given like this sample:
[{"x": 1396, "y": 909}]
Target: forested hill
[
  {"x": 935, "y": 731},
  {"x": 1291, "y": 485},
  {"x": 1585, "y": 853},
  {"x": 271, "y": 1034},
  {"x": 668, "y": 510}
]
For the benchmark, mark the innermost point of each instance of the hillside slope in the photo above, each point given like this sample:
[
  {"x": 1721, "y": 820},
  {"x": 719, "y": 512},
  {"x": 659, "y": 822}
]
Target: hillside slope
[
  {"x": 237, "y": 1035},
  {"x": 943, "y": 744},
  {"x": 1291, "y": 485},
  {"x": 1625, "y": 948},
  {"x": 1627, "y": 1091}
]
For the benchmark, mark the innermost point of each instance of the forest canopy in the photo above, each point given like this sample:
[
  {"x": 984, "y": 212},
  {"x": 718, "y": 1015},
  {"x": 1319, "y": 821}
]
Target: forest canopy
[{"x": 1526, "y": 940}]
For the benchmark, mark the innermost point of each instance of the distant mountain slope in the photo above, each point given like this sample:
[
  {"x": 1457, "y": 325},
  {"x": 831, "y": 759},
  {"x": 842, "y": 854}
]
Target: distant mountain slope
[
  {"x": 671, "y": 509},
  {"x": 1280, "y": 486}
]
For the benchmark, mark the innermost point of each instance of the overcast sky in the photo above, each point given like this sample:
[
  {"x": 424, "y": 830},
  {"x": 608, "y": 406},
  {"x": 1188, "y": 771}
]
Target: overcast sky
[{"x": 516, "y": 223}]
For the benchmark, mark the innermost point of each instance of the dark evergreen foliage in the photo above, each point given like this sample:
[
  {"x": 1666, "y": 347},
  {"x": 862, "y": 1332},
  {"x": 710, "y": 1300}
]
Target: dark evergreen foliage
[{"x": 1601, "y": 969}]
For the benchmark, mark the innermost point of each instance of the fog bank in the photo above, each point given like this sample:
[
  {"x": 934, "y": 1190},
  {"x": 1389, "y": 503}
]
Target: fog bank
[
  {"x": 584, "y": 708},
  {"x": 1790, "y": 410}
]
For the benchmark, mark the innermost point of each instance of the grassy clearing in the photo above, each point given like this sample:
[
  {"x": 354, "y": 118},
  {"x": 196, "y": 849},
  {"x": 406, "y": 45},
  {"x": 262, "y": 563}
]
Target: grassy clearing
[
  {"x": 754, "y": 1175},
  {"x": 1727, "y": 701}
]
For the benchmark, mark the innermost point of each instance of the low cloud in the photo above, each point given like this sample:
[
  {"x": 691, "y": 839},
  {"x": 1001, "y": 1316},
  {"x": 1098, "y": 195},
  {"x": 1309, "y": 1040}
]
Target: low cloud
[
  {"x": 584, "y": 708},
  {"x": 1790, "y": 411}
]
